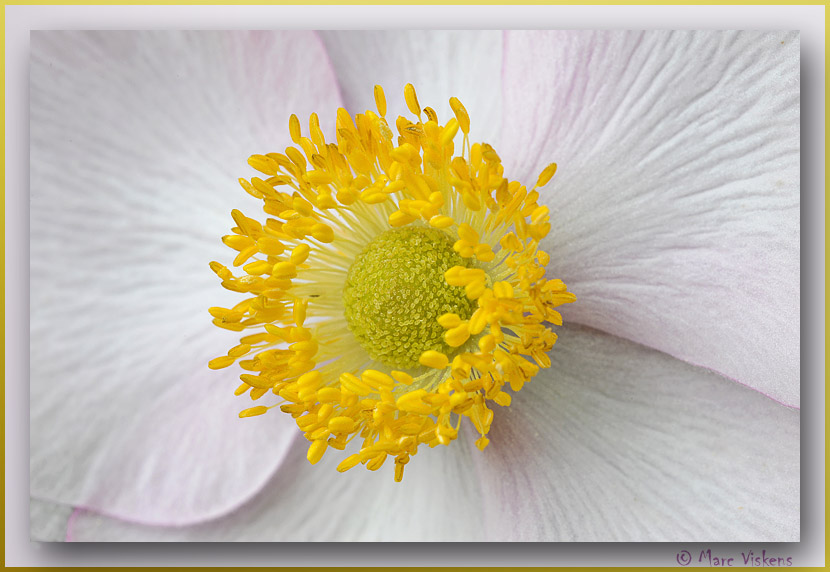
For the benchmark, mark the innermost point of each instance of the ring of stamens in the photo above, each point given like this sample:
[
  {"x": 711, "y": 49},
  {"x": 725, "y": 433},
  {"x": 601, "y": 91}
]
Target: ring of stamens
[{"x": 307, "y": 271}]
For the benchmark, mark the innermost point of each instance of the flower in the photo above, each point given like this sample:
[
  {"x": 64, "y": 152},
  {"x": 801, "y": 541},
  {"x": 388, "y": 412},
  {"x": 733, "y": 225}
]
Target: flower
[
  {"x": 674, "y": 216},
  {"x": 423, "y": 270}
]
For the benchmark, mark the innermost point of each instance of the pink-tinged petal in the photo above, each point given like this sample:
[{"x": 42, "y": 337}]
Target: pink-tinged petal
[
  {"x": 137, "y": 140},
  {"x": 675, "y": 209},
  {"x": 617, "y": 442},
  {"x": 614, "y": 442},
  {"x": 440, "y": 64},
  {"x": 438, "y": 500}
]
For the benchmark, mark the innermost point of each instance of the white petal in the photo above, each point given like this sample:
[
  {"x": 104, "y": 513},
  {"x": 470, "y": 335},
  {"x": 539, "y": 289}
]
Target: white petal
[
  {"x": 438, "y": 500},
  {"x": 617, "y": 442},
  {"x": 137, "y": 140},
  {"x": 440, "y": 64},
  {"x": 676, "y": 204}
]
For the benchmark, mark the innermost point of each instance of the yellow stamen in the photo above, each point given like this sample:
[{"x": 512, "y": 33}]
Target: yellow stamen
[
  {"x": 411, "y": 99},
  {"x": 380, "y": 100},
  {"x": 433, "y": 359},
  {"x": 396, "y": 285},
  {"x": 253, "y": 411}
]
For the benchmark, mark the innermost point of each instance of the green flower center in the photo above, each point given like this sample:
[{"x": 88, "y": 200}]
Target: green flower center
[{"x": 395, "y": 292}]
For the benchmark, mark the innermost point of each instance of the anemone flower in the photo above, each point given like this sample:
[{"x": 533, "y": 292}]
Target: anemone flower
[{"x": 669, "y": 410}]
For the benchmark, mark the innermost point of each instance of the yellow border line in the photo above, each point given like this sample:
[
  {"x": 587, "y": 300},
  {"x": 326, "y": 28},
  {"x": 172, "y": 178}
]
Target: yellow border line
[{"x": 421, "y": 3}]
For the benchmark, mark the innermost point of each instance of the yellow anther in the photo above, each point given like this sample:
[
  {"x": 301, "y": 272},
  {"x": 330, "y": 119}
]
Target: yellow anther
[
  {"x": 316, "y": 451},
  {"x": 404, "y": 153},
  {"x": 299, "y": 334},
  {"x": 256, "y": 381},
  {"x": 478, "y": 321},
  {"x": 539, "y": 231},
  {"x": 352, "y": 383},
  {"x": 377, "y": 379},
  {"x": 460, "y": 276},
  {"x": 294, "y": 128},
  {"x": 348, "y": 463},
  {"x": 411, "y": 99},
  {"x": 380, "y": 100},
  {"x": 475, "y": 155},
  {"x": 325, "y": 201},
  {"x": 448, "y": 321},
  {"x": 322, "y": 232},
  {"x": 284, "y": 270},
  {"x": 433, "y": 359},
  {"x": 270, "y": 246},
  {"x": 220, "y": 270},
  {"x": 460, "y": 114},
  {"x": 373, "y": 197},
  {"x": 258, "y": 267},
  {"x": 402, "y": 377},
  {"x": 467, "y": 233},
  {"x": 449, "y": 132},
  {"x": 310, "y": 379},
  {"x": 324, "y": 412},
  {"x": 225, "y": 314},
  {"x": 436, "y": 198},
  {"x": 457, "y": 336},
  {"x": 304, "y": 420},
  {"x": 300, "y": 253},
  {"x": 413, "y": 403},
  {"x": 484, "y": 253},
  {"x": 398, "y": 472},
  {"x": 546, "y": 175},
  {"x": 453, "y": 276},
  {"x": 237, "y": 242},
  {"x": 258, "y": 392},
  {"x": 239, "y": 351},
  {"x": 440, "y": 221},
  {"x": 341, "y": 425},
  {"x": 376, "y": 463},
  {"x": 539, "y": 214},
  {"x": 487, "y": 343},
  {"x": 253, "y": 411},
  {"x": 251, "y": 190},
  {"x": 302, "y": 206},
  {"x": 399, "y": 218},
  {"x": 256, "y": 338},
  {"x": 300, "y": 307},
  {"x": 263, "y": 164},
  {"x": 489, "y": 154},
  {"x": 475, "y": 289},
  {"x": 510, "y": 242},
  {"x": 344, "y": 120},
  {"x": 328, "y": 395},
  {"x": 221, "y": 362},
  {"x": 463, "y": 248},
  {"x": 319, "y": 434}
]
